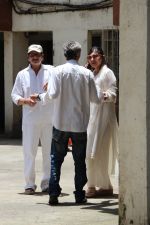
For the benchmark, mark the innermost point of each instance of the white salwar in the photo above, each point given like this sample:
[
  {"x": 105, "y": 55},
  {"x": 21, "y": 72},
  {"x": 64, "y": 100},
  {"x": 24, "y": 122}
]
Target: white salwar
[
  {"x": 102, "y": 145},
  {"x": 36, "y": 123}
]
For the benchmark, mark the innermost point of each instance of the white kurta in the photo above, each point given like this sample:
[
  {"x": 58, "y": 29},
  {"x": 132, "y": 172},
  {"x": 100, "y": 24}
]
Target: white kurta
[
  {"x": 36, "y": 122},
  {"x": 102, "y": 145}
]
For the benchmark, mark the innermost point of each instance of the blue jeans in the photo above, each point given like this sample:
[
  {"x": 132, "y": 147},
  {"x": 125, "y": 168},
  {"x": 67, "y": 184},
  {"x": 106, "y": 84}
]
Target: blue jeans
[{"x": 59, "y": 150}]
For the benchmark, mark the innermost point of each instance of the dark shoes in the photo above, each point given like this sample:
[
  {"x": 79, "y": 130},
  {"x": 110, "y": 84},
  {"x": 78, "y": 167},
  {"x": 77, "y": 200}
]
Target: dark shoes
[
  {"x": 81, "y": 201},
  {"x": 80, "y": 197},
  {"x": 53, "y": 200}
]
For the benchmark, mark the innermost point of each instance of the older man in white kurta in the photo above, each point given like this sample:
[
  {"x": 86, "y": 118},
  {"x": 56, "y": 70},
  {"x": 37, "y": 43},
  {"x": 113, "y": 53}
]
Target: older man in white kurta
[{"x": 36, "y": 122}]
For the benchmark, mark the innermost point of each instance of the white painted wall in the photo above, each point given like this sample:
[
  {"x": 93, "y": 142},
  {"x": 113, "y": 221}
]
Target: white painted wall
[
  {"x": 133, "y": 133},
  {"x": 93, "y": 19},
  {"x": 60, "y": 37},
  {"x": 65, "y": 26}
]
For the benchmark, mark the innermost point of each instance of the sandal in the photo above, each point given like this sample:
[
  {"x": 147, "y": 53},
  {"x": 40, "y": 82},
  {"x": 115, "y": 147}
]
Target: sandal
[
  {"x": 104, "y": 192},
  {"x": 29, "y": 191},
  {"x": 91, "y": 192}
]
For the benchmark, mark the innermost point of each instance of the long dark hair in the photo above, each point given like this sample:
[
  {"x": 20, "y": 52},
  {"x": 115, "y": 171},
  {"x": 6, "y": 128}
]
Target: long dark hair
[{"x": 99, "y": 51}]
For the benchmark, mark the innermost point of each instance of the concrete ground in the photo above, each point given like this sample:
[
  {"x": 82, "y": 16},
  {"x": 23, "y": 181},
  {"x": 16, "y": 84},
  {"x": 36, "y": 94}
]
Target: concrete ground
[{"x": 19, "y": 209}]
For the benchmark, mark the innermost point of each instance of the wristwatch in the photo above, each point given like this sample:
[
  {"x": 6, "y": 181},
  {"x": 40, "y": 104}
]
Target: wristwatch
[{"x": 38, "y": 98}]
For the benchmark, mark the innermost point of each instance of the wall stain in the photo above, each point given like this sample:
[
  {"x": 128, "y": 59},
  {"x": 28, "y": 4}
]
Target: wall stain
[
  {"x": 122, "y": 211},
  {"x": 132, "y": 201}
]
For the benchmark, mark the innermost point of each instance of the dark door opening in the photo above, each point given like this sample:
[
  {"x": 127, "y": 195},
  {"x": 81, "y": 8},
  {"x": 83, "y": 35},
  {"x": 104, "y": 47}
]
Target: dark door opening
[
  {"x": 45, "y": 39},
  {"x": 2, "y": 114}
]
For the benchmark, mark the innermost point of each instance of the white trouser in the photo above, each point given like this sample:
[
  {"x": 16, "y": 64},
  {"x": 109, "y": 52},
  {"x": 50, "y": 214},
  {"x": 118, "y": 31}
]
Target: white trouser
[{"x": 32, "y": 133}]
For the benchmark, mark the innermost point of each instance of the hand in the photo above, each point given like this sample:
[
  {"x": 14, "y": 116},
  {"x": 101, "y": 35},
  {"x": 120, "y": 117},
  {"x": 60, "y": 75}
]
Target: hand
[
  {"x": 30, "y": 102},
  {"x": 34, "y": 97},
  {"x": 45, "y": 86},
  {"x": 105, "y": 96}
]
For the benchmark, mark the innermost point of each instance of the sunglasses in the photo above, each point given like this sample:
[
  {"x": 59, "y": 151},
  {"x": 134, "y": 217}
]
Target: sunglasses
[{"x": 35, "y": 54}]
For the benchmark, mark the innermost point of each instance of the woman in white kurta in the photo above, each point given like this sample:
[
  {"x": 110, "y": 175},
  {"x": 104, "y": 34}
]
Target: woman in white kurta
[{"x": 102, "y": 145}]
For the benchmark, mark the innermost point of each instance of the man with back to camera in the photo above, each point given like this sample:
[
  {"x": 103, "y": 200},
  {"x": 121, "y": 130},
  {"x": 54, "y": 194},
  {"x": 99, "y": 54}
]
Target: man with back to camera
[
  {"x": 36, "y": 122},
  {"x": 72, "y": 86}
]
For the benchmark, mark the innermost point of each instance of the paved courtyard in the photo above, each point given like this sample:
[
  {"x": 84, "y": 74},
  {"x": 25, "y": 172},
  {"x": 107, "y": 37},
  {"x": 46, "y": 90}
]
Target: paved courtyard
[{"x": 19, "y": 209}]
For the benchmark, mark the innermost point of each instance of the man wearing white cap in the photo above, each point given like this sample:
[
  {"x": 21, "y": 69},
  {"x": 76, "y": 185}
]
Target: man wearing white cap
[{"x": 37, "y": 119}]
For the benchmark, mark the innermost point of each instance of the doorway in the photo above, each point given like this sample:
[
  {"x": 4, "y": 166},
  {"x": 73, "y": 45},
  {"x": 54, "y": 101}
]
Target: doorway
[
  {"x": 45, "y": 39},
  {"x": 2, "y": 119}
]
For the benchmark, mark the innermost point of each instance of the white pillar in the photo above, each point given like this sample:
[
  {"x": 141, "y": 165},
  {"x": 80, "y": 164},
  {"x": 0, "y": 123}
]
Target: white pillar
[
  {"x": 134, "y": 103},
  {"x": 15, "y": 59},
  {"x": 8, "y": 80},
  {"x": 20, "y": 45}
]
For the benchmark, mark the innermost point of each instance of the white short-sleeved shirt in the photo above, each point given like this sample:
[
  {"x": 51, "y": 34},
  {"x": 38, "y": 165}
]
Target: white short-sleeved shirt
[
  {"x": 72, "y": 87},
  {"x": 28, "y": 83}
]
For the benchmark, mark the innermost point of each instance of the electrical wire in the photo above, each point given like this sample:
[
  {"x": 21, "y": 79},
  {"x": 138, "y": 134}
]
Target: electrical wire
[
  {"x": 40, "y": 8},
  {"x": 63, "y": 4}
]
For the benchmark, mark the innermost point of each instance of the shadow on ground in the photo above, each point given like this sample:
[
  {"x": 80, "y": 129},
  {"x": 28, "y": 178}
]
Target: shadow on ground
[
  {"x": 38, "y": 193},
  {"x": 103, "y": 207},
  {"x": 11, "y": 141}
]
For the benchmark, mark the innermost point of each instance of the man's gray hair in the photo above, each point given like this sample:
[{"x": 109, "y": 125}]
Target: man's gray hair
[
  {"x": 72, "y": 45},
  {"x": 71, "y": 49}
]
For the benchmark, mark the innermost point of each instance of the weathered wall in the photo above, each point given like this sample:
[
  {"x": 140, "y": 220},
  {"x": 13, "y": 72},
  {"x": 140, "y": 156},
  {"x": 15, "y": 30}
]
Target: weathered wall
[
  {"x": 133, "y": 117},
  {"x": 65, "y": 26}
]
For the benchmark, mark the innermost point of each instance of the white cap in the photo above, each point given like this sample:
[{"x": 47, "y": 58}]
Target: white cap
[{"x": 36, "y": 48}]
